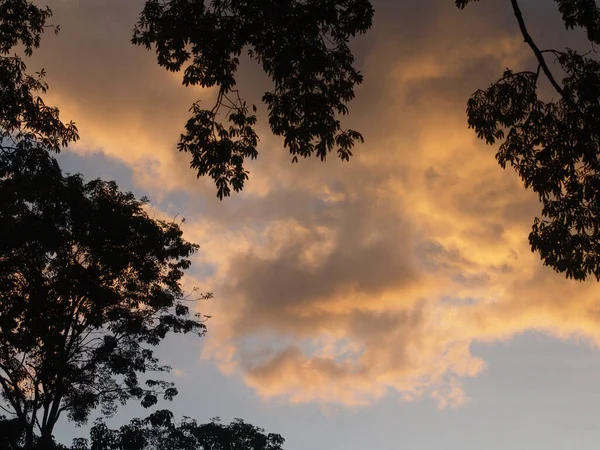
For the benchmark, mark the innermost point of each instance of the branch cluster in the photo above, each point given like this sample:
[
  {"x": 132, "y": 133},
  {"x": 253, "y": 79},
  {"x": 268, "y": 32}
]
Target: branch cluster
[
  {"x": 301, "y": 44},
  {"x": 553, "y": 145}
]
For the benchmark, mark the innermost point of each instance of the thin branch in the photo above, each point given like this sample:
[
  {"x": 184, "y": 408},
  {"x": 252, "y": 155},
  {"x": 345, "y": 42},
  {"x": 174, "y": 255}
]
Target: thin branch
[
  {"x": 538, "y": 54},
  {"x": 11, "y": 397},
  {"x": 556, "y": 53},
  {"x": 8, "y": 411}
]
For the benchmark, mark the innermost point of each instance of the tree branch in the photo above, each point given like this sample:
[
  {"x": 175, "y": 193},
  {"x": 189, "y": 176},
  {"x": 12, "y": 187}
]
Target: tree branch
[
  {"x": 8, "y": 411},
  {"x": 11, "y": 395},
  {"x": 536, "y": 51}
]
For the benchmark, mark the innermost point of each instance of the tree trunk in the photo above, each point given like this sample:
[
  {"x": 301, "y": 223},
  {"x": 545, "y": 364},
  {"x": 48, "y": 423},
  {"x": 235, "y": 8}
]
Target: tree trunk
[{"x": 46, "y": 441}]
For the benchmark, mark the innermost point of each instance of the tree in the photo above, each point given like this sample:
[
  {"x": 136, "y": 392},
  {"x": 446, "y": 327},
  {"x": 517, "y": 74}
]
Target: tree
[
  {"x": 89, "y": 283},
  {"x": 553, "y": 144},
  {"x": 301, "y": 44},
  {"x": 160, "y": 432},
  {"x": 25, "y": 120},
  {"x": 12, "y": 433}
]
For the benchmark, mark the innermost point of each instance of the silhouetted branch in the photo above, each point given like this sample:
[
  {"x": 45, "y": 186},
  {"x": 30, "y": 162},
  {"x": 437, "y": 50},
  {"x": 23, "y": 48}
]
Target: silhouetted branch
[{"x": 538, "y": 54}]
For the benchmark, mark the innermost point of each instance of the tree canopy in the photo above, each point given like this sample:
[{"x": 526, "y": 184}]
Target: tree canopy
[
  {"x": 552, "y": 140},
  {"x": 552, "y": 143},
  {"x": 89, "y": 283},
  {"x": 302, "y": 46},
  {"x": 25, "y": 120},
  {"x": 159, "y": 431}
]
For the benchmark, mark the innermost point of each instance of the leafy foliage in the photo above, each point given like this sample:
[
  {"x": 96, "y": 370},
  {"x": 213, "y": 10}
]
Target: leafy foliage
[
  {"x": 554, "y": 145},
  {"x": 89, "y": 284},
  {"x": 13, "y": 434},
  {"x": 23, "y": 113},
  {"x": 301, "y": 44},
  {"x": 581, "y": 13},
  {"x": 462, "y": 3},
  {"x": 160, "y": 432}
]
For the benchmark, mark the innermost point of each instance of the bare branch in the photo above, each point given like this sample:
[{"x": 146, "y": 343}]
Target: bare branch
[{"x": 538, "y": 54}]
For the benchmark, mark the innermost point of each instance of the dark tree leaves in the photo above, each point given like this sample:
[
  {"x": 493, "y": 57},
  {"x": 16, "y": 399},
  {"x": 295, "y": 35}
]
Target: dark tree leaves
[
  {"x": 23, "y": 113},
  {"x": 582, "y": 13},
  {"x": 554, "y": 145},
  {"x": 13, "y": 434},
  {"x": 89, "y": 283},
  {"x": 160, "y": 432},
  {"x": 22, "y": 22},
  {"x": 301, "y": 44},
  {"x": 462, "y": 3}
]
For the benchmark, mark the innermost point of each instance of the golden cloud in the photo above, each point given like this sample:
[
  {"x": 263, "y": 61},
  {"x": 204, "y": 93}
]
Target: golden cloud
[{"x": 340, "y": 283}]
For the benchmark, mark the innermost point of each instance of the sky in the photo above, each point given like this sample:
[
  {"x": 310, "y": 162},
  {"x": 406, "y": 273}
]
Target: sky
[{"x": 390, "y": 302}]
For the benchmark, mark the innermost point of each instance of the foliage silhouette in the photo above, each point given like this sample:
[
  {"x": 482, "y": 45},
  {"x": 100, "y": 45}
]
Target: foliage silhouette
[
  {"x": 89, "y": 284},
  {"x": 159, "y": 432},
  {"x": 25, "y": 120},
  {"x": 301, "y": 45},
  {"x": 13, "y": 434},
  {"x": 552, "y": 144}
]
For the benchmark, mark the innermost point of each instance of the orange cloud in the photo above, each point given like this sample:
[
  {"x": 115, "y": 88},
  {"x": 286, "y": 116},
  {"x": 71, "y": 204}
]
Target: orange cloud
[{"x": 342, "y": 283}]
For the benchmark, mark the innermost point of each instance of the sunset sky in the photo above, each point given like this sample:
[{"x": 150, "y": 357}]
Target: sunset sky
[{"x": 392, "y": 302}]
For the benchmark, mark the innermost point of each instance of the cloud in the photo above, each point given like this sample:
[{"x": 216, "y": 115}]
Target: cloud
[{"x": 342, "y": 283}]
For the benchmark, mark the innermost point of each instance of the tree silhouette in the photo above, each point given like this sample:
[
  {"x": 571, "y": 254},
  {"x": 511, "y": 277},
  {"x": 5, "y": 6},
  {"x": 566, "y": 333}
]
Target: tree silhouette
[
  {"x": 160, "y": 432},
  {"x": 88, "y": 281},
  {"x": 25, "y": 120},
  {"x": 89, "y": 284},
  {"x": 553, "y": 144},
  {"x": 302, "y": 47}
]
